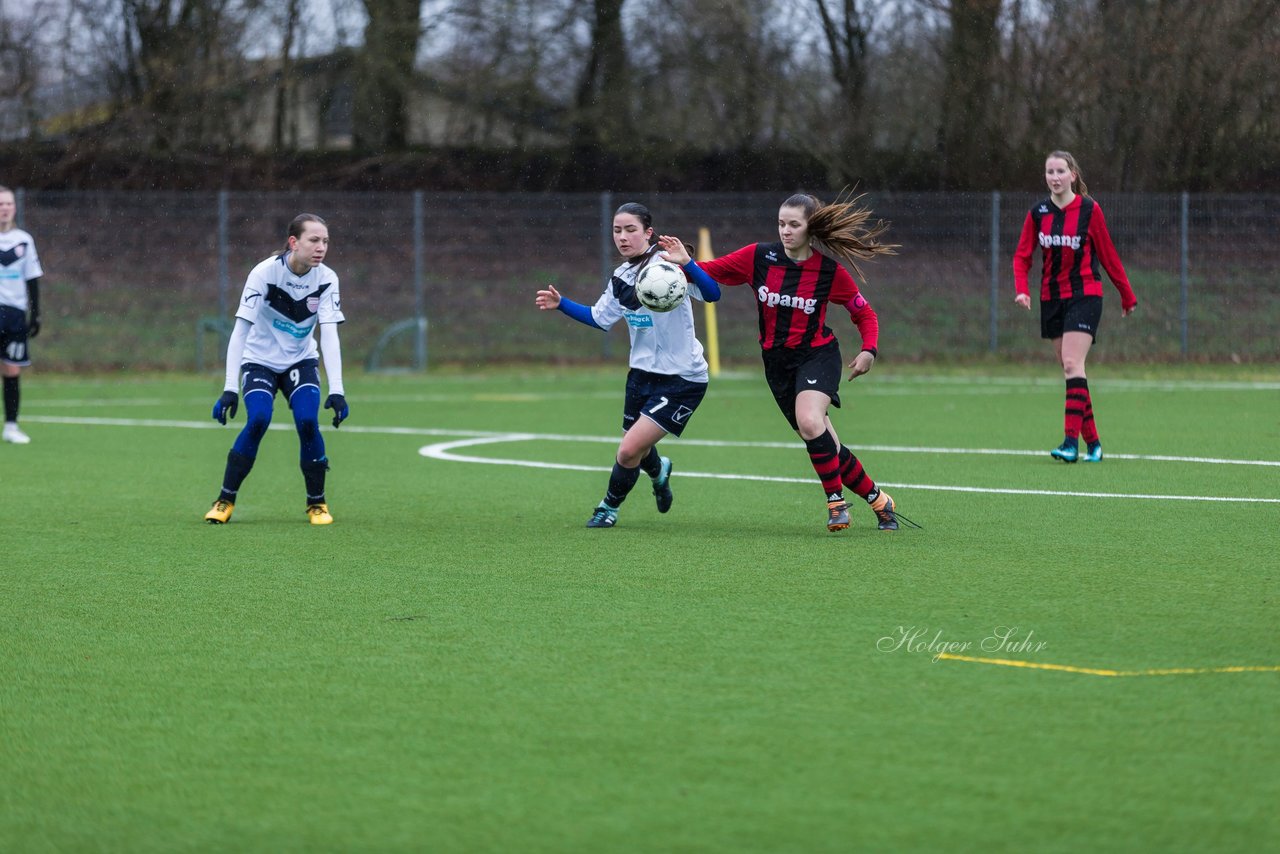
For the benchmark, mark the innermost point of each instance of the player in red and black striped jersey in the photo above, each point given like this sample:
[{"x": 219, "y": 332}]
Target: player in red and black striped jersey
[
  {"x": 1070, "y": 229},
  {"x": 794, "y": 282}
]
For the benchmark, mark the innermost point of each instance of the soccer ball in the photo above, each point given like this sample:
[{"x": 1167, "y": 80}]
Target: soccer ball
[{"x": 661, "y": 286}]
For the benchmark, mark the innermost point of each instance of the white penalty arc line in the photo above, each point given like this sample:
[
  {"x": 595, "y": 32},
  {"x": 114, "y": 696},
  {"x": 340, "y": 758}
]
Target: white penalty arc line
[{"x": 445, "y": 451}]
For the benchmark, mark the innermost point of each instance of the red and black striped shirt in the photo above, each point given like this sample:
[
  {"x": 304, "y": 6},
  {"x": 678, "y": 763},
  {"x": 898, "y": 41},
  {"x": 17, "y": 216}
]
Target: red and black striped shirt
[
  {"x": 1076, "y": 243},
  {"x": 792, "y": 297}
]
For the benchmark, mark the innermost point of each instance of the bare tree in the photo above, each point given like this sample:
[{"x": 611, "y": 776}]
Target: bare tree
[
  {"x": 602, "y": 109},
  {"x": 1152, "y": 95},
  {"x": 385, "y": 74},
  {"x": 967, "y": 135},
  {"x": 165, "y": 41},
  {"x": 846, "y": 29},
  {"x": 168, "y": 65},
  {"x": 721, "y": 79},
  {"x": 284, "y": 85},
  {"x": 1213, "y": 87},
  {"x": 512, "y": 63},
  {"x": 20, "y": 70}
]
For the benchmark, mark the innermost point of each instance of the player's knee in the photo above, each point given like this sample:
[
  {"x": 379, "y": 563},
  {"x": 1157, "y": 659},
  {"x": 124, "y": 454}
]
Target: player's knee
[
  {"x": 256, "y": 423},
  {"x": 629, "y": 459},
  {"x": 308, "y": 428},
  {"x": 811, "y": 426}
]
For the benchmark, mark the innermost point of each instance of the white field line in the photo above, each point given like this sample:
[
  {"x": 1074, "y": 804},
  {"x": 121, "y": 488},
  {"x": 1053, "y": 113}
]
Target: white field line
[
  {"x": 568, "y": 437},
  {"x": 445, "y": 451},
  {"x": 471, "y": 438},
  {"x": 1119, "y": 384}
]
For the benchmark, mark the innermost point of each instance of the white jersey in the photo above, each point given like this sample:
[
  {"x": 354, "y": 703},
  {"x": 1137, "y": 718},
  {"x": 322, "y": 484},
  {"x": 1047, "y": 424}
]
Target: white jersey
[
  {"x": 661, "y": 342},
  {"x": 284, "y": 309},
  {"x": 19, "y": 264}
]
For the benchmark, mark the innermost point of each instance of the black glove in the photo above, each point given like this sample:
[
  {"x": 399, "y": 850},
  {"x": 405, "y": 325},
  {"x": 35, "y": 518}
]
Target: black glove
[
  {"x": 226, "y": 407},
  {"x": 33, "y": 326},
  {"x": 338, "y": 404}
]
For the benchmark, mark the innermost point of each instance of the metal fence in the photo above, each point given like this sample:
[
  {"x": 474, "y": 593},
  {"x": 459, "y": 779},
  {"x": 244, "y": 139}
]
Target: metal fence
[{"x": 150, "y": 280}]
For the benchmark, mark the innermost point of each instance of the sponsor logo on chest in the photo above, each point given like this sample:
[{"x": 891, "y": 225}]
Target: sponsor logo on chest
[
  {"x": 292, "y": 329},
  {"x": 774, "y": 299},
  {"x": 1051, "y": 240}
]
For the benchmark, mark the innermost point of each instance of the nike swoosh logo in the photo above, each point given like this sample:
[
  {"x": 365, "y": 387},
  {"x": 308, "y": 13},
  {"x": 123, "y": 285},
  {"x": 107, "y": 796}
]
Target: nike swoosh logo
[{"x": 812, "y": 382}]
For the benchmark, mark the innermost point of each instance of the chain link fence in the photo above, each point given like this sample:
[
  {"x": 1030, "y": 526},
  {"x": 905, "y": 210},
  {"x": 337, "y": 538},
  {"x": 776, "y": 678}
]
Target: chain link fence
[{"x": 149, "y": 281}]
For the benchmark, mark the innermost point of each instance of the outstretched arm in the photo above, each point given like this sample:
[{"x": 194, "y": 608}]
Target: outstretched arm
[
  {"x": 674, "y": 250},
  {"x": 550, "y": 300},
  {"x": 706, "y": 284}
]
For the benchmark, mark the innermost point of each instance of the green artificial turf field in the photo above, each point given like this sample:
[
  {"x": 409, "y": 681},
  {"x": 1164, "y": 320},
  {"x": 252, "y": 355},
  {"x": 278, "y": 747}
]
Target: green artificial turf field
[{"x": 457, "y": 664}]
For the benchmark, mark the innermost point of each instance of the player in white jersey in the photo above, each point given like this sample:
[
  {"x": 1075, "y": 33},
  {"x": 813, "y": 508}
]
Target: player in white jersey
[
  {"x": 668, "y": 375},
  {"x": 20, "y": 274},
  {"x": 273, "y": 346}
]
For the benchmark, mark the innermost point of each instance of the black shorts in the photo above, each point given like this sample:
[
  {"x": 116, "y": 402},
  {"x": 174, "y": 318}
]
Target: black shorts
[
  {"x": 790, "y": 372},
  {"x": 259, "y": 378},
  {"x": 1074, "y": 314},
  {"x": 13, "y": 337},
  {"x": 668, "y": 401}
]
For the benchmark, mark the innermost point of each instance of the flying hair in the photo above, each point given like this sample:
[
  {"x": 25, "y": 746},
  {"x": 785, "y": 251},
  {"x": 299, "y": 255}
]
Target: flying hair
[{"x": 840, "y": 229}]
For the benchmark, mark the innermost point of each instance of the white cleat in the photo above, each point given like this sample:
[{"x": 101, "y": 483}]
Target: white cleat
[{"x": 12, "y": 433}]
